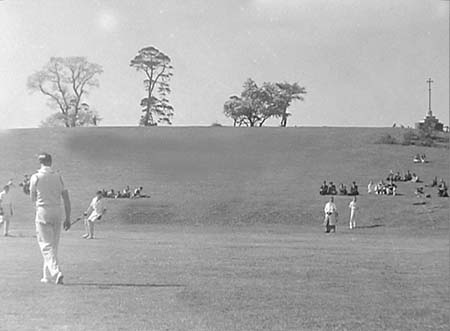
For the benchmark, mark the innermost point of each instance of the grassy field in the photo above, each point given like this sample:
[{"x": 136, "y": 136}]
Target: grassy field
[{"x": 231, "y": 238}]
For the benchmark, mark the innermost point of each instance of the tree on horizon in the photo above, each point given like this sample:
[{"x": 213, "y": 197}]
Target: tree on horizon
[
  {"x": 66, "y": 82},
  {"x": 256, "y": 104},
  {"x": 158, "y": 71}
]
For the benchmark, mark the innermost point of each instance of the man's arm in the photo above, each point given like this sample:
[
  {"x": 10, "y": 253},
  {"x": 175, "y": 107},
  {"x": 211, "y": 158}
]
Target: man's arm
[
  {"x": 67, "y": 208},
  {"x": 33, "y": 190}
]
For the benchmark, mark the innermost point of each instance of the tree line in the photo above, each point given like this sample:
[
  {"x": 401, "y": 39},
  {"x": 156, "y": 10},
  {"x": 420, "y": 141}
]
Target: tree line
[{"x": 67, "y": 81}]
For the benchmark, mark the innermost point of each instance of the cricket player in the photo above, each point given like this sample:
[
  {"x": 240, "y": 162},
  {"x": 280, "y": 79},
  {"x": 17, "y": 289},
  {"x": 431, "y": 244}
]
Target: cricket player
[
  {"x": 353, "y": 208},
  {"x": 6, "y": 209},
  {"x": 331, "y": 215},
  {"x": 46, "y": 191},
  {"x": 95, "y": 211}
]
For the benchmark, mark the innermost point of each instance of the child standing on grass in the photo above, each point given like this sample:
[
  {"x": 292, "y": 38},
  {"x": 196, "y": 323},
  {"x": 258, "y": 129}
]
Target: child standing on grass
[
  {"x": 353, "y": 208},
  {"x": 95, "y": 211}
]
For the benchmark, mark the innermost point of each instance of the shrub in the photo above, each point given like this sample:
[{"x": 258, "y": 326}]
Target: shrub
[
  {"x": 410, "y": 138},
  {"x": 387, "y": 139},
  {"x": 215, "y": 124},
  {"x": 418, "y": 137}
]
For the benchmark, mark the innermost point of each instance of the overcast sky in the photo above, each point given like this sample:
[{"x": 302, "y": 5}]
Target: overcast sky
[{"x": 363, "y": 63}]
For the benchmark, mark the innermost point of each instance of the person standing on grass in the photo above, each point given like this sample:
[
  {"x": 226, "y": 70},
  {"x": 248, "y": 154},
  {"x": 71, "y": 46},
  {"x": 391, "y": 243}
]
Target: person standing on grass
[
  {"x": 6, "y": 209},
  {"x": 95, "y": 211},
  {"x": 46, "y": 191},
  {"x": 353, "y": 209},
  {"x": 331, "y": 215}
]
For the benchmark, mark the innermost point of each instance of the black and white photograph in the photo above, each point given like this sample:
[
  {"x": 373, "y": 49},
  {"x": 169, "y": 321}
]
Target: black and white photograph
[{"x": 224, "y": 165}]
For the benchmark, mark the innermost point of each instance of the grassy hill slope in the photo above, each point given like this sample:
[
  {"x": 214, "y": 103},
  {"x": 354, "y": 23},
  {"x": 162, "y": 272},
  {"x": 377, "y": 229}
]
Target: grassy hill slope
[{"x": 229, "y": 175}]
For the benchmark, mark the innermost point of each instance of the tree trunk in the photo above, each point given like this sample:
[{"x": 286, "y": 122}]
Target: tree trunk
[{"x": 284, "y": 120}]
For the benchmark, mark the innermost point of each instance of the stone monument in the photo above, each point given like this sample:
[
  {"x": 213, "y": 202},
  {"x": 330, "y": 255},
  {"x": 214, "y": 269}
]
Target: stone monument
[{"x": 430, "y": 122}]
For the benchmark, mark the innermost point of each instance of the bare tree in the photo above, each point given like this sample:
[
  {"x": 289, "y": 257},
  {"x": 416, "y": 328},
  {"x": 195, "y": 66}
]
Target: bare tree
[
  {"x": 66, "y": 82},
  {"x": 158, "y": 71}
]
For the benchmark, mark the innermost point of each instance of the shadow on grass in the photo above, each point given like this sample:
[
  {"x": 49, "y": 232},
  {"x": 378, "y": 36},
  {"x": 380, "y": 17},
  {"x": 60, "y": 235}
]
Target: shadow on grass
[
  {"x": 109, "y": 285},
  {"x": 20, "y": 235},
  {"x": 369, "y": 226}
]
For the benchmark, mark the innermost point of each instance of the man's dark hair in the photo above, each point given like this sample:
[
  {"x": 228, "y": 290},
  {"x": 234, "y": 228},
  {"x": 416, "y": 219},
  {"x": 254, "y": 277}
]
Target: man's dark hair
[{"x": 45, "y": 159}]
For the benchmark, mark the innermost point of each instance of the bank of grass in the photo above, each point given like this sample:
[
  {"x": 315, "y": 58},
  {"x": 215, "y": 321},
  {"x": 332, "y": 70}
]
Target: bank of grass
[
  {"x": 231, "y": 238},
  {"x": 227, "y": 175}
]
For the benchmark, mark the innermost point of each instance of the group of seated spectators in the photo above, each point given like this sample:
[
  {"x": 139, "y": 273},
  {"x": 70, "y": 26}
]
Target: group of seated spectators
[
  {"x": 382, "y": 188},
  {"x": 408, "y": 177},
  {"x": 441, "y": 186},
  {"x": 330, "y": 189},
  {"x": 126, "y": 193},
  {"x": 420, "y": 158}
]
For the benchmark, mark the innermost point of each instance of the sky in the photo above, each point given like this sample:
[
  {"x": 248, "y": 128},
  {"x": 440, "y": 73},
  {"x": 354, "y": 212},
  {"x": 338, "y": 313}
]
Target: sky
[{"x": 363, "y": 63}]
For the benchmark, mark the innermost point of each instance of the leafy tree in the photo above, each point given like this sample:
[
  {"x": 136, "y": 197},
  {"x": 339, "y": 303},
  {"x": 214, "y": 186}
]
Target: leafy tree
[
  {"x": 286, "y": 94},
  {"x": 257, "y": 104},
  {"x": 252, "y": 108},
  {"x": 158, "y": 71},
  {"x": 66, "y": 82}
]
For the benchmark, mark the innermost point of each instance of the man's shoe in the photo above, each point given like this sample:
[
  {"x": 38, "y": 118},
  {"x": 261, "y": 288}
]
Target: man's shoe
[
  {"x": 85, "y": 236},
  {"x": 45, "y": 280},
  {"x": 59, "y": 279}
]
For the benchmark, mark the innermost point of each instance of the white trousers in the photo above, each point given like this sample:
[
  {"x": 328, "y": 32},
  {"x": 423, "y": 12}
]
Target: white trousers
[
  {"x": 5, "y": 220},
  {"x": 48, "y": 235},
  {"x": 352, "y": 218}
]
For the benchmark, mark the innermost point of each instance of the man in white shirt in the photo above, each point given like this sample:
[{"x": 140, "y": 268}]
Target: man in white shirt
[
  {"x": 6, "y": 209},
  {"x": 353, "y": 208},
  {"x": 95, "y": 211},
  {"x": 46, "y": 191},
  {"x": 330, "y": 216}
]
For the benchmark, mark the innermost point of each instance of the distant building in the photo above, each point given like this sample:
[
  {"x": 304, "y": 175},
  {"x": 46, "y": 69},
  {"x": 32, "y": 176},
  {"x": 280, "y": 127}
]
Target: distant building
[{"x": 430, "y": 122}]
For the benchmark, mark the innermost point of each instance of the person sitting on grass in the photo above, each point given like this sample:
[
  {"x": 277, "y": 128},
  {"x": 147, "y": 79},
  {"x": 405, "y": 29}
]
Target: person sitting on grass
[
  {"x": 126, "y": 192},
  {"x": 415, "y": 178},
  {"x": 381, "y": 188},
  {"x": 408, "y": 176},
  {"x": 137, "y": 192},
  {"x": 417, "y": 158},
  {"x": 332, "y": 189},
  {"x": 342, "y": 189},
  {"x": 434, "y": 182},
  {"x": 419, "y": 191},
  {"x": 390, "y": 176},
  {"x": 95, "y": 211},
  {"x": 442, "y": 189},
  {"x": 354, "y": 189},
  {"x": 323, "y": 188}
]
